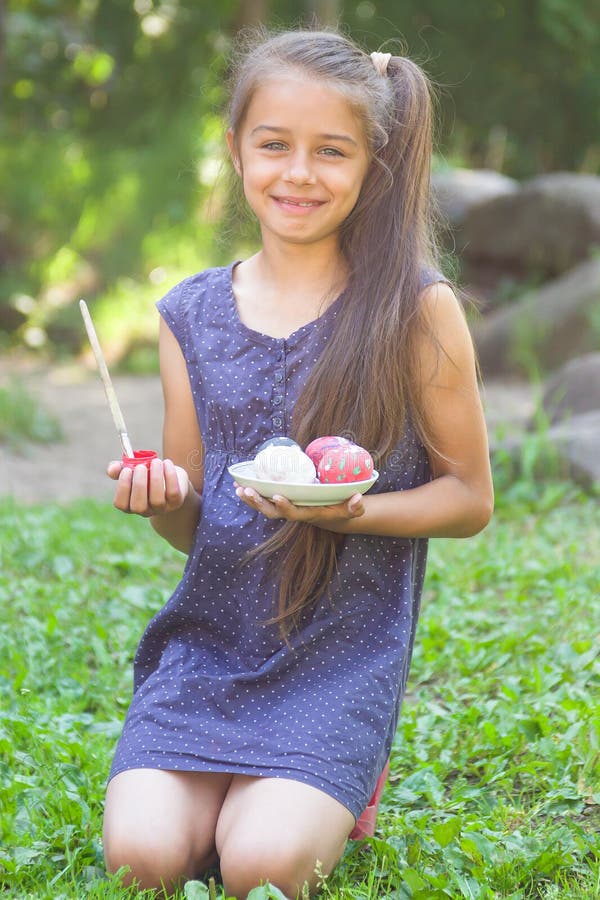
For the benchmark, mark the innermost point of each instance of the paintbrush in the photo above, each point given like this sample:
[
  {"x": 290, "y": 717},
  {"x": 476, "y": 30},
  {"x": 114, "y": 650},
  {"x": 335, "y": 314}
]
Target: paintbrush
[{"x": 109, "y": 390}]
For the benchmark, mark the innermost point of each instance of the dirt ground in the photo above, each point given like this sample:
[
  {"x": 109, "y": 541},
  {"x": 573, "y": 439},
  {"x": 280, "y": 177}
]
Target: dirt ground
[{"x": 75, "y": 468}]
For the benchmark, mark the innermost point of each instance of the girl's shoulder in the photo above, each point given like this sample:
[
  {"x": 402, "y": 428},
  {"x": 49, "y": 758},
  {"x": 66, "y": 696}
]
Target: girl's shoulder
[
  {"x": 213, "y": 279},
  {"x": 185, "y": 303},
  {"x": 431, "y": 276}
]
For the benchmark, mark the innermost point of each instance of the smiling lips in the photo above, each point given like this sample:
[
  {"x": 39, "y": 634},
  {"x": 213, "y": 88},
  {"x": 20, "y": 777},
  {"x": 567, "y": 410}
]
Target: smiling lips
[{"x": 298, "y": 204}]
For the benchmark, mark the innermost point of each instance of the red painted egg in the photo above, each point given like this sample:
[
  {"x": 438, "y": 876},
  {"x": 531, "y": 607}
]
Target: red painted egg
[
  {"x": 345, "y": 463},
  {"x": 317, "y": 448}
]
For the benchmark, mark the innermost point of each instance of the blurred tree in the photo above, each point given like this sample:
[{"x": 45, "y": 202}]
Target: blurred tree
[
  {"x": 251, "y": 12},
  {"x": 108, "y": 109},
  {"x": 110, "y": 132},
  {"x": 519, "y": 81},
  {"x": 327, "y": 12}
]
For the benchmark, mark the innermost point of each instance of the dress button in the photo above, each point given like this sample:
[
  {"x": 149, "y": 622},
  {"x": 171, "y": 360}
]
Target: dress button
[
  {"x": 277, "y": 400},
  {"x": 277, "y": 421},
  {"x": 278, "y": 377}
]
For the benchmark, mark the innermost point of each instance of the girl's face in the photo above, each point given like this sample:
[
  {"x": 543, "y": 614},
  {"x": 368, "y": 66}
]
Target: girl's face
[{"x": 302, "y": 155}]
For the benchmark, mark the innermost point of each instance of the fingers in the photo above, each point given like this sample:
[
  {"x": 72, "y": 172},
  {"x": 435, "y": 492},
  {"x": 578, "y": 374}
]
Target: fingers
[
  {"x": 356, "y": 506},
  {"x": 149, "y": 492},
  {"x": 113, "y": 470},
  {"x": 254, "y": 500},
  {"x": 281, "y": 507},
  {"x": 164, "y": 491},
  {"x": 176, "y": 483},
  {"x": 132, "y": 494},
  {"x": 123, "y": 491},
  {"x": 348, "y": 509}
]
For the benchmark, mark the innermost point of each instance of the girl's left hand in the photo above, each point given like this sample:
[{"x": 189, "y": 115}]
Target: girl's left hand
[{"x": 281, "y": 508}]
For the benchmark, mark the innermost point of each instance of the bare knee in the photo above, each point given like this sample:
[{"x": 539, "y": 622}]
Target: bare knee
[
  {"x": 150, "y": 863},
  {"x": 247, "y": 863},
  {"x": 160, "y": 825}
]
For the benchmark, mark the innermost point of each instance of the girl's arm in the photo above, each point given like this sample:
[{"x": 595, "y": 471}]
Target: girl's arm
[
  {"x": 170, "y": 496},
  {"x": 458, "y": 502}
]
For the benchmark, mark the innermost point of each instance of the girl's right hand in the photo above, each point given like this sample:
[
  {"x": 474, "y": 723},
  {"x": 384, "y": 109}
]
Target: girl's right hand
[{"x": 161, "y": 490}]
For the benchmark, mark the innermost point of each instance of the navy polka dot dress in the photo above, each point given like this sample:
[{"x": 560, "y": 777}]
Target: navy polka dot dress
[{"x": 215, "y": 688}]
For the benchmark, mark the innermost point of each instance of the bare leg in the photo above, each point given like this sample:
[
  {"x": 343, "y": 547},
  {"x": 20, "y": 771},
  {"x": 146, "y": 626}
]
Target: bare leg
[
  {"x": 162, "y": 824},
  {"x": 278, "y": 830}
]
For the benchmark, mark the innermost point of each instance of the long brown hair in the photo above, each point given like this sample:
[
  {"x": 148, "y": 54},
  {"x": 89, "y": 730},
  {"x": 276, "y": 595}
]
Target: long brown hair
[{"x": 366, "y": 382}]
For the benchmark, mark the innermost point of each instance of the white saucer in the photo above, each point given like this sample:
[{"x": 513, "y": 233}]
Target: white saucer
[{"x": 302, "y": 494}]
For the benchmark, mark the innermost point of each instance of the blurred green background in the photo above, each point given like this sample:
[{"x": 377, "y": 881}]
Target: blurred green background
[{"x": 111, "y": 136}]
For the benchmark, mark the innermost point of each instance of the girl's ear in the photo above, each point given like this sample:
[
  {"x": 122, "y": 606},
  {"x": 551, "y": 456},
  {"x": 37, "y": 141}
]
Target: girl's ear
[{"x": 233, "y": 151}]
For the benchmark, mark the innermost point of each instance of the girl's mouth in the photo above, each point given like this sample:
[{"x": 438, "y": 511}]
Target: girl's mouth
[{"x": 298, "y": 202}]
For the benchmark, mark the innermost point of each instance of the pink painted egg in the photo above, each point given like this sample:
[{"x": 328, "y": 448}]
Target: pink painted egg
[
  {"x": 317, "y": 448},
  {"x": 345, "y": 463}
]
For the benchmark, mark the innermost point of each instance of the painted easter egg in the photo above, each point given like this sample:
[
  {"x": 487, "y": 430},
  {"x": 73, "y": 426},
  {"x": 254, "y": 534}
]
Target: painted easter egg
[
  {"x": 284, "y": 464},
  {"x": 278, "y": 441},
  {"x": 317, "y": 448},
  {"x": 345, "y": 463}
]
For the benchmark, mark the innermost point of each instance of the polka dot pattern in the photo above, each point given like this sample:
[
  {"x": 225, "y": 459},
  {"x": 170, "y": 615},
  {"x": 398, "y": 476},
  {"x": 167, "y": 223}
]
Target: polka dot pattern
[{"x": 215, "y": 687}]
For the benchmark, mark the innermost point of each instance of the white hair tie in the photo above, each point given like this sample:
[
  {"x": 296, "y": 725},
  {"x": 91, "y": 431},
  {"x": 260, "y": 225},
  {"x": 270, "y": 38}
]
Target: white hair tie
[{"x": 380, "y": 61}]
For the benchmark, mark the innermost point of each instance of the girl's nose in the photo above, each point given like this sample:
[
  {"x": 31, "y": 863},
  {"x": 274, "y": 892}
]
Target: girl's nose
[{"x": 299, "y": 169}]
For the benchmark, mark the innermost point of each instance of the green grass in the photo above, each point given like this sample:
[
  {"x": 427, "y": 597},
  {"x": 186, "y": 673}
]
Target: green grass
[
  {"x": 495, "y": 786},
  {"x": 23, "y": 419}
]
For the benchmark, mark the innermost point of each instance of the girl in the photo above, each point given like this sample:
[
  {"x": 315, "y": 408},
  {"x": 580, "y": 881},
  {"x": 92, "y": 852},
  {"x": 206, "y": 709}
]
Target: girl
[{"x": 267, "y": 690}]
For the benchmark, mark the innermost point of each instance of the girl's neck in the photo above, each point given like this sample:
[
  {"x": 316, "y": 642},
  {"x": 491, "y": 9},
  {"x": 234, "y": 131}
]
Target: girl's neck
[
  {"x": 300, "y": 271},
  {"x": 278, "y": 292}
]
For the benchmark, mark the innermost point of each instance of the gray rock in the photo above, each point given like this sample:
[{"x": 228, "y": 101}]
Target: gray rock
[
  {"x": 456, "y": 191},
  {"x": 574, "y": 389},
  {"x": 508, "y": 404},
  {"x": 568, "y": 449},
  {"x": 577, "y": 443},
  {"x": 547, "y": 227},
  {"x": 544, "y": 329}
]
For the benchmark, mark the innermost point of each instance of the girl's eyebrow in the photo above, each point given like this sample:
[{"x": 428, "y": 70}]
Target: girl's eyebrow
[{"x": 326, "y": 137}]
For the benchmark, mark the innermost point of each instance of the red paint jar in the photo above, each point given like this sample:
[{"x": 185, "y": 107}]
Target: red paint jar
[{"x": 139, "y": 458}]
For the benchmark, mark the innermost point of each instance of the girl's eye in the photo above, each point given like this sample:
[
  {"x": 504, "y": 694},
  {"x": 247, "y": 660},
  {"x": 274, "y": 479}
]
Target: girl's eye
[
  {"x": 274, "y": 145},
  {"x": 331, "y": 151}
]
